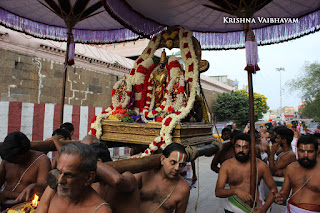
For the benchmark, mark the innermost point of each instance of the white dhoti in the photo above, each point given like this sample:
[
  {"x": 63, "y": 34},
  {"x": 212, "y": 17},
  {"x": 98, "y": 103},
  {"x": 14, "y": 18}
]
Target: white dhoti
[{"x": 302, "y": 208}]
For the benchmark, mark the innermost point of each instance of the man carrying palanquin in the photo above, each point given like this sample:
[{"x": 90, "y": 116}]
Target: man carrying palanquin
[
  {"x": 113, "y": 187},
  {"x": 76, "y": 167},
  {"x": 227, "y": 151},
  {"x": 236, "y": 172},
  {"x": 23, "y": 171},
  {"x": 164, "y": 190},
  {"x": 302, "y": 178}
]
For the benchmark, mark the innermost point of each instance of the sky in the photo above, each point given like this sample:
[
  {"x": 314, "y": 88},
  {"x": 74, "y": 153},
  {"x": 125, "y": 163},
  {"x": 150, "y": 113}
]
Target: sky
[{"x": 290, "y": 55}]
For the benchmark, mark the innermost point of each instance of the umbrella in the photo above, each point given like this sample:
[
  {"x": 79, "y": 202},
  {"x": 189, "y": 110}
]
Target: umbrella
[
  {"x": 218, "y": 24},
  {"x": 145, "y": 18},
  {"x": 56, "y": 20}
]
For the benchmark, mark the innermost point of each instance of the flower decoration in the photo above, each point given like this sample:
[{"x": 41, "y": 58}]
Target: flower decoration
[
  {"x": 171, "y": 37},
  {"x": 176, "y": 104},
  {"x": 191, "y": 76}
]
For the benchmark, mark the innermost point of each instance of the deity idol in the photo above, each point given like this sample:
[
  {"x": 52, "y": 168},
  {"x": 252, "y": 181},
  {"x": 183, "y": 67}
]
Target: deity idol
[
  {"x": 121, "y": 90},
  {"x": 159, "y": 78}
]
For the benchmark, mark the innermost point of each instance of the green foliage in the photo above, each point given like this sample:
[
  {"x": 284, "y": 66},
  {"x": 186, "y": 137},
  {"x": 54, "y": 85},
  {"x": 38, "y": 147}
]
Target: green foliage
[
  {"x": 234, "y": 106},
  {"x": 132, "y": 112},
  {"x": 127, "y": 119},
  {"x": 311, "y": 109},
  {"x": 308, "y": 83}
]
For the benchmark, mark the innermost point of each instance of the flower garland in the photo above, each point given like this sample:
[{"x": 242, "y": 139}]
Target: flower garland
[
  {"x": 191, "y": 75},
  {"x": 174, "y": 69},
  {"x": 115, "y": 96},
  {"x": 175, "y": 73},
  {"x": 147, "y": 89},
  {"x": 175, "y": 105},
  {"x": 139, "y": 79},
  {"x": 96, "y": 128}
]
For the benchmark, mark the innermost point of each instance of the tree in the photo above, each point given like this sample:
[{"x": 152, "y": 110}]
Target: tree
[
  {"x": 308, "y": 83},
  {"x": 235, "y": 106},
  {"x": 311, "y": 109}
]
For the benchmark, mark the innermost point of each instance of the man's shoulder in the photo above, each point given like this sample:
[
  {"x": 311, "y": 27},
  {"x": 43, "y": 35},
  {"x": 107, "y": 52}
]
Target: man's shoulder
[
  {"x": 40, "y": 158},
  {"x": 261, "y": 163},
  {"x": 182, "y": 188},
  {"x": 183, "y": 185},
  {"x": 287, "y": 156},
  {"x": 146, "y": 174},
  {"x": 229, "y": 162},
  {"x": 101, "y": 205},
  {"x": 293, "y": 166},
  {"x": 103, "y": 208},
  {"x": 289, "y": 153},
  {"x": 37, "y": 154}
]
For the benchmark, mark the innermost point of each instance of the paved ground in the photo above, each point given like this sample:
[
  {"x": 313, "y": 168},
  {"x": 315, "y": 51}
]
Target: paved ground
[{"x": 207, "y": 202}]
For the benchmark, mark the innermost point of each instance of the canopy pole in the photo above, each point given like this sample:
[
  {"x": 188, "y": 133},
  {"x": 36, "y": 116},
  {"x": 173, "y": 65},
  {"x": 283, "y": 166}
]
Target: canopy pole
[
  {"x": 65, "y": 74},
  {"x": 253, "y": 166},
  {"x": 253, "y": 180}
]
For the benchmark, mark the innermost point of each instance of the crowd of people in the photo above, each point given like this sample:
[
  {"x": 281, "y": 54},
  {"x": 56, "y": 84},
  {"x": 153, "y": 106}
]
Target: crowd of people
[
  {"x": 287, "y": 170},
  {"x": 78, "y": 180}
]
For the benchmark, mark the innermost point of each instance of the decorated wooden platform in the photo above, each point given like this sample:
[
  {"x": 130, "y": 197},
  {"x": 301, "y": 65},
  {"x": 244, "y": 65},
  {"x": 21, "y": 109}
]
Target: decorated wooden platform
[{"x": 189, "y": 133}]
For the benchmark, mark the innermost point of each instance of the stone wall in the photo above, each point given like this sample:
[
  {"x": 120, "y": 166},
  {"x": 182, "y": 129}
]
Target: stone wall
[
  {"x": 29, "y": 79},
  {"x": 26, "y": 78}
]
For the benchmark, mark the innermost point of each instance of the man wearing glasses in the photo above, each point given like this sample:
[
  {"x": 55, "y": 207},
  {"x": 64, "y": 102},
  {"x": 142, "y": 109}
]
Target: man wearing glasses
[{"x": 236, "y": 172}]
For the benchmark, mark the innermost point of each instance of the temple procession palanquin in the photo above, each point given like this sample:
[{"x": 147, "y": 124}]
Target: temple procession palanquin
[{"x": 159, "y": 103}]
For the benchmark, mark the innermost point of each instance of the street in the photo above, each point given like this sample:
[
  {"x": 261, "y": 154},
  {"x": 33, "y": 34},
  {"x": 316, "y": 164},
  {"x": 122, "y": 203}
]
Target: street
[{"x": 205, "y": 196}]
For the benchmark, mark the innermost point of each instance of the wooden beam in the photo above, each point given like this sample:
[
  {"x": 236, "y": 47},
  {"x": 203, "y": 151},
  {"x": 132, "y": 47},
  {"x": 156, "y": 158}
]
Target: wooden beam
[{"x": 47, "y": 146}]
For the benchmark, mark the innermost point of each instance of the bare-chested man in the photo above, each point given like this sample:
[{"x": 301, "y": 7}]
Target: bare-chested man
[
  {"x": 164, "y": 190},
  {"x": 90, "y": 139},
  {"x": 263, "y": 149},
  {"x": 281, "y": 155},
  {"x": 113, "y": 187},
  {"x": 236, "y": 172},
  {"x": 302, "y": 178},
  {"x": 76, "y": 167},
  {"x": 317, "y": 135},
  {"x": 264, "y": 134},
  {"x": 69, "y": 127},
  {"x": 226, "y": 153},
  {"x": 284, "y": 138},
  {"x": 23, "y": 171}
]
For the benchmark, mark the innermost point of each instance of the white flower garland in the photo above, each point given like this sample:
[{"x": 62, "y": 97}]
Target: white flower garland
[
  {"x": 125, "y": 100},
  {"x": 147, "y": 53},
  {"x": 97, "y": 125},
  {"x": 139, "y": 78},
  {"x": 191, "y": 75},
  {"x": 173, "y": 73},
  {"x": 178, "y": 103}
]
